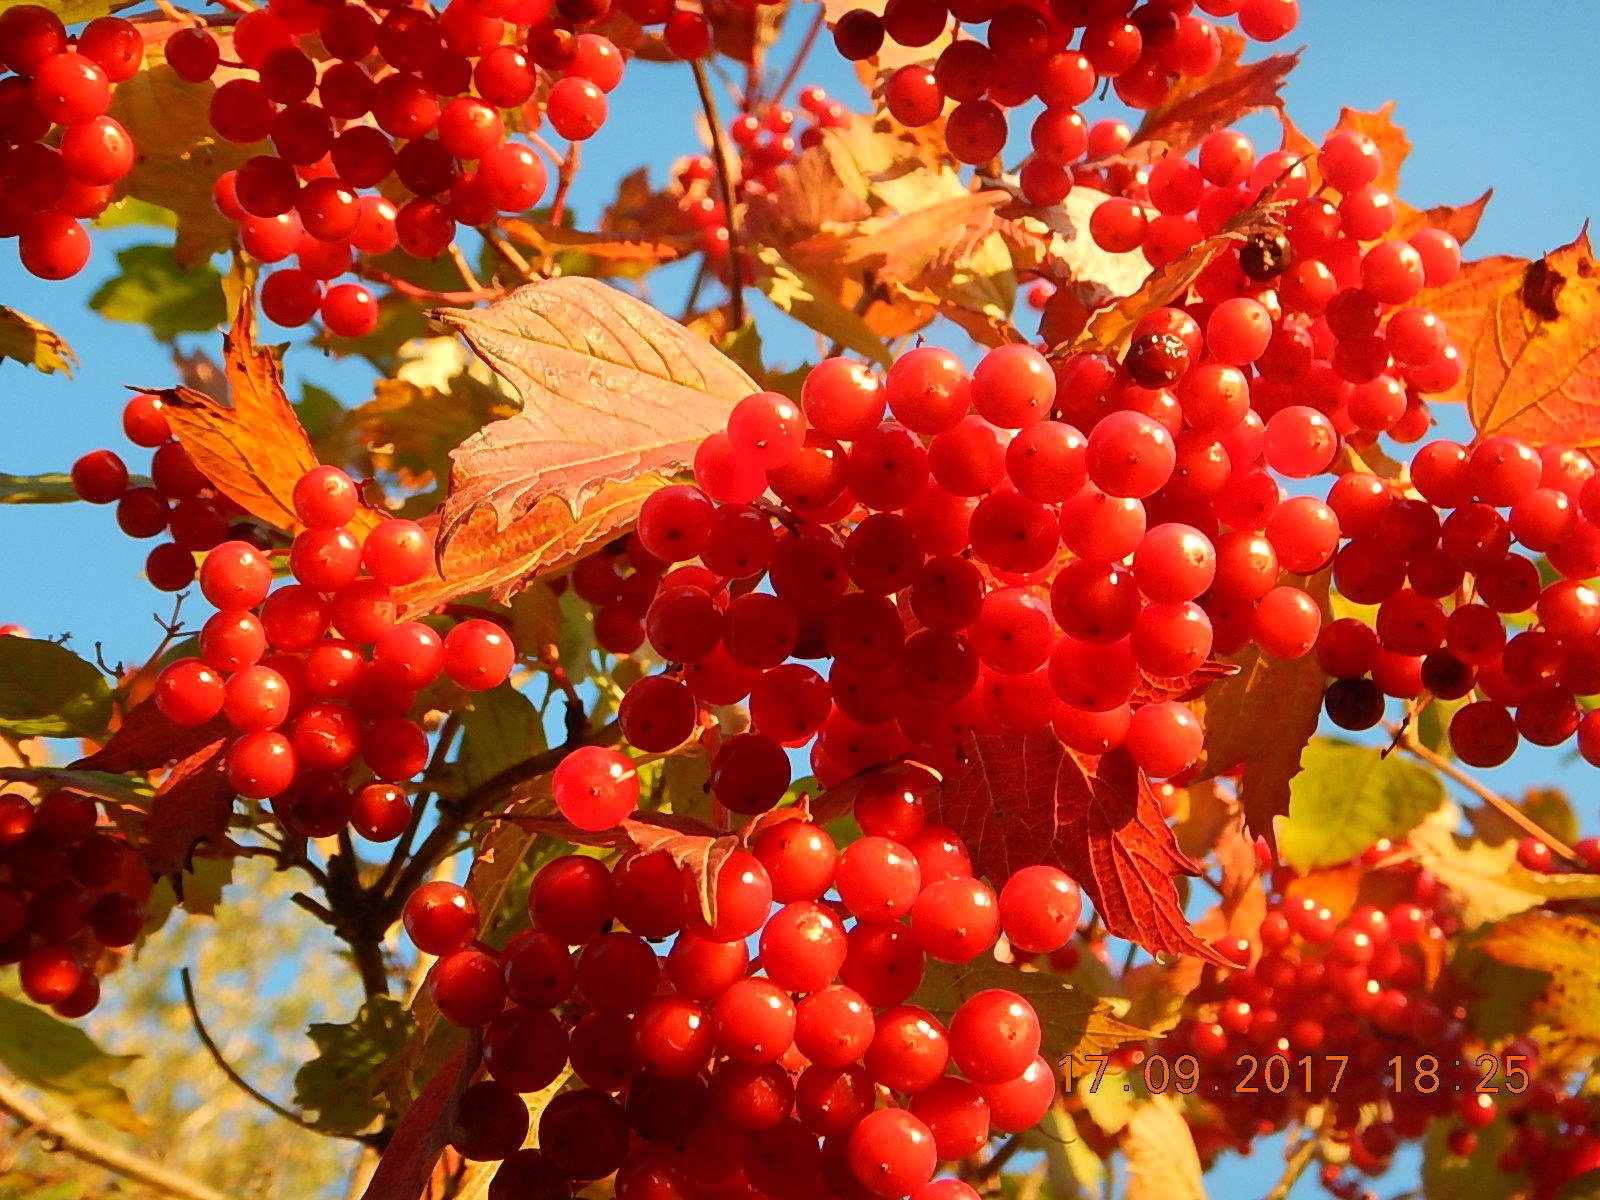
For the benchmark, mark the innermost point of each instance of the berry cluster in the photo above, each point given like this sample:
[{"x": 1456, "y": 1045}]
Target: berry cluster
[
  {"x": 70, "y": 889},
  {"x": 319, "y": 679},
  {"x": 1442, "y": 565},
  {"x": 1364, "y": 988},
  {"x": 52, "y": 181},
  {"x": 179, "y": 500},
  {"x": 766, "y": 138},
  {"x": 961, "y": 505},
  {"x": 352, "y": 98},
  {"x": 805, "y": 1071},
  {"x": 1059, "y": 53}
]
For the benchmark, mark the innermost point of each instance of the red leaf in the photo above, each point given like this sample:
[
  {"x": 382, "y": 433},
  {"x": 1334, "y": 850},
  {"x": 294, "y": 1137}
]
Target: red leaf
[
  {"x": 146, "y": 740},
  {"x": 1026, "y": 800},
  {"x": 611, "y": 390},
  {"x": 193, "y": 803},
  {"x": 407, "y": 1162},
  {"x": 1197, "y": 107}
]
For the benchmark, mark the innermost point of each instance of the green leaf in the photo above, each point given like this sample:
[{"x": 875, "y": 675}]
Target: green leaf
[
  {"x": 813, "y": 306},
  {"x": 152, "y": 290},
  {"x": 338, "y": 1084},
  {"x": 1447, "y": 1176},
  {"x": 1500, "y": 998},
  {"x": 501, "y": 728},
  {"x": 1346, "y": 797},
  {"x": 24, "y": 340},
  {"x": 118, "y": 789},
  {"x": 53, "y": 488},
  {"x": 48, "y": 691},
  {"x": 1075, "y": 1022},
  {"x": 130, "y": 211},
  {"x": 198, "y": 889},
  {"x": 62, "y": 1059}
]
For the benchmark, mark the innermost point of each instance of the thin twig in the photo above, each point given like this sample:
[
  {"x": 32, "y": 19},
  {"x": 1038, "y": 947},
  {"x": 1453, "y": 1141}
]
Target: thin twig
[
  {"x": 724, "y": 163},
  {"x": 1407, "y": 741},
  {"x": 569, "y": 168},
  {"x": 510, "y": 253},
  {"x": 441, "y": 751},
  {"x": 233, "y": 1076},
  {"x": 1298, "y": 1159},
  {"x": 456, "y": 816},
  {"x": 417, "y": 292},
  {"x": 65, "y": 1132},
  {"x": 800, "y": 56},
  {"x": 996, "y": 1162},
  {"x": 468, "y": 275}
]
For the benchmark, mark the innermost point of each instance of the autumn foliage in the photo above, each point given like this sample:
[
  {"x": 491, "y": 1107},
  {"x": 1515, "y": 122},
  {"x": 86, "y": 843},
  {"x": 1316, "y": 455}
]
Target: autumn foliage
[{"x": 1031, "y": 744}]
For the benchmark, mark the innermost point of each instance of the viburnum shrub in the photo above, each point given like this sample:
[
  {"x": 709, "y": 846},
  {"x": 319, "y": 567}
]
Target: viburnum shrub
[{"x": 895, "y": 776}]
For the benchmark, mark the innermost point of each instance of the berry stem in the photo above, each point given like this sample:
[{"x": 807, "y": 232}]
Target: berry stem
[
  {"x": 569, "y": 169},
  {"x": 719, "y": 153},
  {"x": 818, "y": 21},
  {"x": 419, "y": 804},
  {"x": 508, "y": 252},
  {"x": 1407, "y": 741}
]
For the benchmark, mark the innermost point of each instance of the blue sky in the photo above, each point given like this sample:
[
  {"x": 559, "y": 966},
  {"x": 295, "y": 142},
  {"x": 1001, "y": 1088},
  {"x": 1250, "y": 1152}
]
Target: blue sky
[{"x": 1491, "y": 94}]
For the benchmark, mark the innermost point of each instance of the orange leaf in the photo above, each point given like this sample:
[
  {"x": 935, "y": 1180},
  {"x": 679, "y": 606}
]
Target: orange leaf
[
  {"x": 253, "y": 448},
  {"x": 1529, "y": 337},
  {"x": 1262, "y": 719},
  {"x": 545, "y": 539},
  {"x": 1392, "y": 142},
  {"x": 1201, "y": 106},
  {"x": 1022, "y": 800},
  {"x": 611, "y": 390},
  {"x": 612, "y": 247},
  {"x": 1459, "y": 222}
]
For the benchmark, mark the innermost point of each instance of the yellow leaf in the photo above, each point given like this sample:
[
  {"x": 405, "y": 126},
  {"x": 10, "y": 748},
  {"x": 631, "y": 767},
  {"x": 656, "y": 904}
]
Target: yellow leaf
[
  {"x": 814, "y": 306},
  {"x": 1163, "y": 1163},
  {"x": 1568, "y": 948},
  {"x": 33, "y": 344}
]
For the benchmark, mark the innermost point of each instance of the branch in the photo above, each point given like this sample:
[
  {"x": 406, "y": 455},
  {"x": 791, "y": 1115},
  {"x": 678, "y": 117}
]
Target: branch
[
  {"x": 76, "y": 1141},
  {"x": 453, "y": 818},
  {"x": 996, "y": 1162},
  {"x": 1298, "y": 1159},
  {"x": 233, "y": 1076},
  {"x": 1408, "y": 742},
  {"x": 569, "y": 168},
  {"x": 800, "y": 56},
  {"x": 719, "y": 153}
]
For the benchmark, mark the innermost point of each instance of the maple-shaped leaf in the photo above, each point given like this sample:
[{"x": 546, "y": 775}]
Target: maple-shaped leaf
[
  {"x": 1480, "y": 869},
  {"x": 1459, "y": 221},
  {"x": 1391, "y": 140},
  {"x": 1020, "y": 800},
  {"x": 1567, "y": 947},
  {"x": 1529, "y": 338},
  {"x": 253, "y": 449},
  {"x": 1198, "y": 106},
  {"x": 481, "y": 557},
  {"x": 146, "y": 740},
  {"x": 192, "y": 804},
  {"x": 611, "y": 390},
  {"x": 1111, "y": 325},
  {"x": 695, "y": 846},
  {"x": 1073, "y": 1022},
  {"x": 1262, "y": 719}
]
